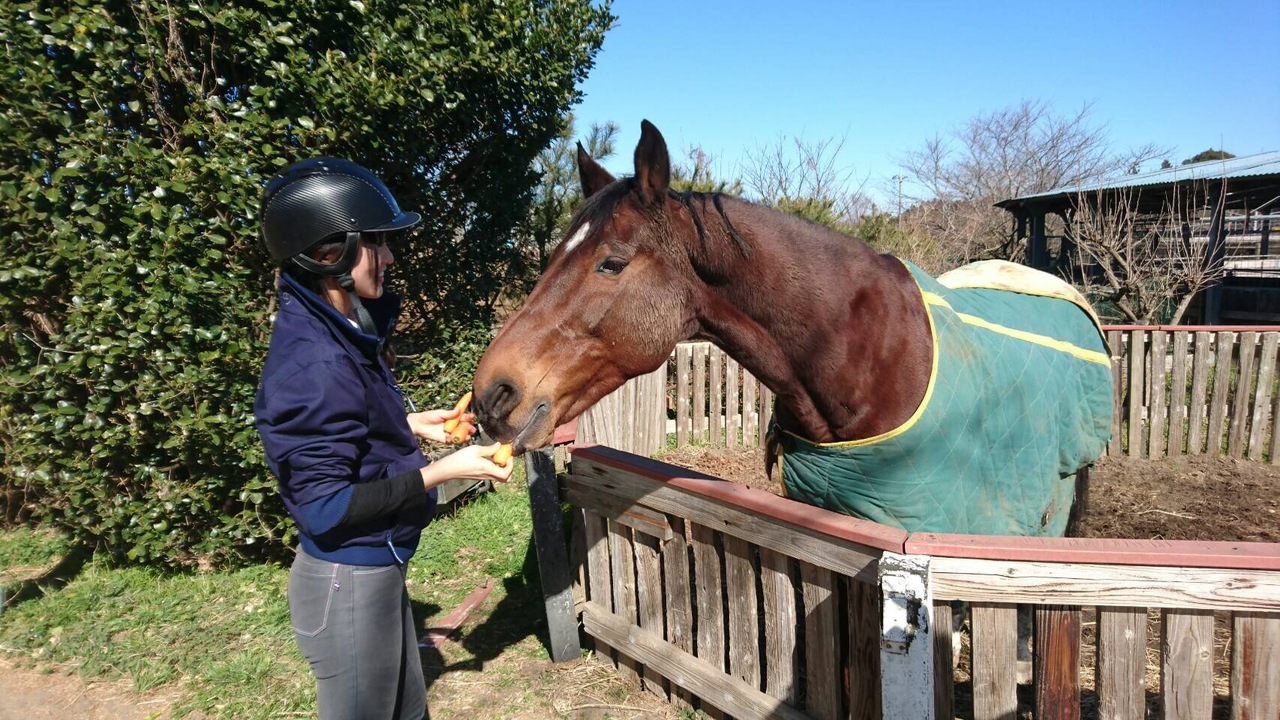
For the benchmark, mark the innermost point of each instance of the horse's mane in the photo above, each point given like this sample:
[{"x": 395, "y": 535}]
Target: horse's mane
[{"x": 600, "y": 208}]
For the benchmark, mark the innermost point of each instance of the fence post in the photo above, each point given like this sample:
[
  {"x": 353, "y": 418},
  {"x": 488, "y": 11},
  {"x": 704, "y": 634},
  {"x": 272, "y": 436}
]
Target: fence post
[
  {"x": 553, "y": 557},
  {"x": 906, "y": 637}
]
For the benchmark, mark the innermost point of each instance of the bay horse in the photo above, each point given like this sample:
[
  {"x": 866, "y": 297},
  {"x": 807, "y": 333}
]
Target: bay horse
[{"x": 853, "y": 344}]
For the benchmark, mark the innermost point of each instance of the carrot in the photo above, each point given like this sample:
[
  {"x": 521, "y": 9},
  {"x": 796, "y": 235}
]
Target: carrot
[
  {"x": 459, "y": 433},
  {"x": 503, "y": 455},
  {"x": 461, "y": 407}
]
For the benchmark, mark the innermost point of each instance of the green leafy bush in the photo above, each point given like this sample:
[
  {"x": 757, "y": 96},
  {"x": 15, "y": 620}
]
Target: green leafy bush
[{"x": 135, "y": 138}]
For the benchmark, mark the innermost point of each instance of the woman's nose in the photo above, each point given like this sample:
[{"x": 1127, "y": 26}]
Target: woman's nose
[{"x": 387, "y": 256}]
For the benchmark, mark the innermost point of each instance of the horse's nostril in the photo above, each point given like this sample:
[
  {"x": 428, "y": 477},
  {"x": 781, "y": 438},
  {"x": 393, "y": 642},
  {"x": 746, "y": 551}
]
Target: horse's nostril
[{"x": 499, "y": 399}]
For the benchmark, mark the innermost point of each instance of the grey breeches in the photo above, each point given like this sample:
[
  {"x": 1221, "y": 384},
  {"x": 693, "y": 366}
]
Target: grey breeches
[{"x": 355, "y": 627}]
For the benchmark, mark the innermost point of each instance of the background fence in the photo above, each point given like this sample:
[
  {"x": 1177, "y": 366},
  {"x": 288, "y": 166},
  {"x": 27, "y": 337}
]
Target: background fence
[
  {"x": 1178, "y": 390},
  {"x": 747, "y": 605}
]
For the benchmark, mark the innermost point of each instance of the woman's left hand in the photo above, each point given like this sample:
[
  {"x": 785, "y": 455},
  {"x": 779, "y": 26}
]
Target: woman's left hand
[{"x": 429, "y": 424}]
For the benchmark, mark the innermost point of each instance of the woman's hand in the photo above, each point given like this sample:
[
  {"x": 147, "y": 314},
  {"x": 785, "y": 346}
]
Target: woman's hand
[
  {"x": 473, "y": 462},
  {"x": 429, "y": 424}
]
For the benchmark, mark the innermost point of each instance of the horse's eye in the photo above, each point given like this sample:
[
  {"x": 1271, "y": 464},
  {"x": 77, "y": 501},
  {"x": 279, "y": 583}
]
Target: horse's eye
[{"x": 611, "y": 265}]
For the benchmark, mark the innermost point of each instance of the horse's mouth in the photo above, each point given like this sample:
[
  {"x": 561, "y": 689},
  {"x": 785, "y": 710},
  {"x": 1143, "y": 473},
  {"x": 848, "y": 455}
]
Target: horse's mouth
[{"x": 531, "y": 428}]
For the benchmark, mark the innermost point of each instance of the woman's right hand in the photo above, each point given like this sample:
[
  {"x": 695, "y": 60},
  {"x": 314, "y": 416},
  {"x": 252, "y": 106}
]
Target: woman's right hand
[{"x": 473, "y": 462}]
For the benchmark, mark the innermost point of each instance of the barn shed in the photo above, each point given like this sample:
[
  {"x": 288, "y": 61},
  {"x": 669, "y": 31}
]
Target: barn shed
[{"x": 1233, "y": 224}]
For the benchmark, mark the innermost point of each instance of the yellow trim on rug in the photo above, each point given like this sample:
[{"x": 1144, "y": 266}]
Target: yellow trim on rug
[{"x": 1075, "y": 351}]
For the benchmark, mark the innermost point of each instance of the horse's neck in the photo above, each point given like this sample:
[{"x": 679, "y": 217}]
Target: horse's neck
[{"x": 837, "y": 331}]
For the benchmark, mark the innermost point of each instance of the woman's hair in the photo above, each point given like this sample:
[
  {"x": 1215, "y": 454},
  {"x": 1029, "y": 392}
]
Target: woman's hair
[{"x": 309, "y": 280}]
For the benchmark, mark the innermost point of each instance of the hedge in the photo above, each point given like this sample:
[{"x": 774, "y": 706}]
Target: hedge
[{"x": 135, "y": 138}]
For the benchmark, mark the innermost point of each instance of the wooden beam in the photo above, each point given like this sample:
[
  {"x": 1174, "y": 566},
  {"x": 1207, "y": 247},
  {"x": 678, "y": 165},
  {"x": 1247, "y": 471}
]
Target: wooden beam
[
  {"x": 553, "y": 555},
  {"x": 699, "y": 677},
  {"x": 1085, "y": 584}
]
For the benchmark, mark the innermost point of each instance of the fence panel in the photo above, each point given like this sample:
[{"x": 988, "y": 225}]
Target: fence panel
[
  {"x": 802, "y": 652},
  {"x": 1177, "y": 391}
]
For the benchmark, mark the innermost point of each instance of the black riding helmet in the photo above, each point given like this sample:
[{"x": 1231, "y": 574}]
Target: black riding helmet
[{"x": 321, "y": 200}]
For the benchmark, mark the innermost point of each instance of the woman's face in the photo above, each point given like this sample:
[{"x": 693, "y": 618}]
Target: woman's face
[{"x": 371, "y": 264}]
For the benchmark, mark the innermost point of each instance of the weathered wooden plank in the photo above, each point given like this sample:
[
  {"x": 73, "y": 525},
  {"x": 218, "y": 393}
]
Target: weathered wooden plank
[
  {"x": 623, "y": 575},
  {"x": 1093, "y": 584},
  {"x": 1121, "y": 666},
  {"x": 750, "y": 420},
  {"x": 1137, "y": 398},
  {"x": 1262, "y": 404},
  {"x": 684, "y": 406},
  {"x": 552, "y": 553},
  {"x": 1100, "y": 551},
  {"x": 1199, "y": 388},
  {"x": 943, "y": 665},
  {"x": 1115, "y": 341},
  {"x": 678, "y": 598},
  {"x": 744, "y": 615},
  {"x": 732, "y": 404},
  {"x": 599, "y": 582},
  {"x": 994, "y": 629},
  {"x": 1178, "y": 395},
  {"x": 864, "y": 650},
  {"x": 766, "y": 412},
  {"x": 660, "y": 408},
  {"x": 1157, "y": 407},
  {"x": 649, "y": 603},
  {"x": 1224, "y": 343},
  {"x": 616, "y": 509},
  {"x": 715, "y": 395},
  {"x": 781, "y": 662},
  {"x": 1056, "y": 653},
  {"x": 627, "y": 425},
  {"x": 822, "y": 644},
  {"x": 1243, "y": 395},
  {"x": 1255, "y": 666},
  {"x": 1186, "y": 664},
  {"x": 796, "y": 540},
  {"x": 700, "y": 421},
  {"x": 710, "y": 597},
  {"x": 700, "y": 677}
]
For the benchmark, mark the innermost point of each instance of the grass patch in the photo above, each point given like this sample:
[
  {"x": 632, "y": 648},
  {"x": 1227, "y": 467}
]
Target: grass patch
[
  {"x": 223, "y": 639},
  {"x": 27, "y": 552}
]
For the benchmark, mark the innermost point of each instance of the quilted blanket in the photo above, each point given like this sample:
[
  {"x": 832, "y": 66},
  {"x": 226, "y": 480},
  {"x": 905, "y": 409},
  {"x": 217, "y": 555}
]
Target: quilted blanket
[{"x": 1019, "y": 399}]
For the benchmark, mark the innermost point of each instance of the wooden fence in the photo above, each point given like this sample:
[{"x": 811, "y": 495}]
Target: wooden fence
[
  {"x": 1178, "y": 390},
  {"x": 747, "y": 605}
]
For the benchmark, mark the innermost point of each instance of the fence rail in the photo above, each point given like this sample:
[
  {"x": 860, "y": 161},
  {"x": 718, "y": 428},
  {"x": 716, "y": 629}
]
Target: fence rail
[
  {"x": 732, "y": 600},
  {"x": 1178, "y": 390}
]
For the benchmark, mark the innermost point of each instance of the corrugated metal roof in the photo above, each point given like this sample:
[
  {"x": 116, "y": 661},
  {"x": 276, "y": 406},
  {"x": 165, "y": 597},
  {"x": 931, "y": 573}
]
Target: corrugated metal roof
[{"x": 1267, "y": 163}]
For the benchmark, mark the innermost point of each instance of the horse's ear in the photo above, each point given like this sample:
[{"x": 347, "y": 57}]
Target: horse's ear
[
  {"x": 653, "y": 165},
  {"x": 593, "y": 177}
]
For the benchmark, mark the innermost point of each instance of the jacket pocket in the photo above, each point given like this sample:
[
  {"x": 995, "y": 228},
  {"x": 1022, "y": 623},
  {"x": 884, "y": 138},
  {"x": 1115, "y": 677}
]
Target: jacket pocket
[{"x": 310, "y": 599}]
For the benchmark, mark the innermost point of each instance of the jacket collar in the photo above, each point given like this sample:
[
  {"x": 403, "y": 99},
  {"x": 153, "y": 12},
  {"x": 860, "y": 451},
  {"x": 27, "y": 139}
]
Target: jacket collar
[{"x": 383, "y": 310}]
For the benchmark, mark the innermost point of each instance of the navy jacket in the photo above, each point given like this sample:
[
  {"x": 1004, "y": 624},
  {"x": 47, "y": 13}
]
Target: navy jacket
[{"x": 331, "y": 416}]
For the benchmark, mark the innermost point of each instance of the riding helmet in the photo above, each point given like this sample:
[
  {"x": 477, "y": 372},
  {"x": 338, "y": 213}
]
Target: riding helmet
[{"x": 325, "y": 198}]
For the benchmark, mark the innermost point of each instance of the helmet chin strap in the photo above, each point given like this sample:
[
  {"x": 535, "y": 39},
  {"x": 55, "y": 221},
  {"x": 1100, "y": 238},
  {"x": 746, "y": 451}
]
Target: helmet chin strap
[{"x": 341, "y": 271}]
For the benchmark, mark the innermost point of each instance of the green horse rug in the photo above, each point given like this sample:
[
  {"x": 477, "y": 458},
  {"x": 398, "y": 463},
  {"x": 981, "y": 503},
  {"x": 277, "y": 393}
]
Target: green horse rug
[{"x": 1019, "y": 400}]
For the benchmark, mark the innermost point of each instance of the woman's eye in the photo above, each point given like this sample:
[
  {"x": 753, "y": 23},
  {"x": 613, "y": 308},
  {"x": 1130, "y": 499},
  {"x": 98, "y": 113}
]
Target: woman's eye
[{"x": 611, "y": 266}]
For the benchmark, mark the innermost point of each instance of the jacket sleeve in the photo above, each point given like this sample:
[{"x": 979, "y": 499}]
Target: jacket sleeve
[{"x": 313, "y": 419}]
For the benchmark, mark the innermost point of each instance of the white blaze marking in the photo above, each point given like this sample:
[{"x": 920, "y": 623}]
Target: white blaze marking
[{"x": 577, "y": 237}]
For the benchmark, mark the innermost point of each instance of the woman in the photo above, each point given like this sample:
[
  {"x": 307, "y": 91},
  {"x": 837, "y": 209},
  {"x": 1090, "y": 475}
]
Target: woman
[{"x": 337, "y": 436}]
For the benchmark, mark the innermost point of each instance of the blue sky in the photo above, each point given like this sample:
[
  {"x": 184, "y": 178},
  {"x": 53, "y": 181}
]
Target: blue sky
[{"x": 735, "y": 75}]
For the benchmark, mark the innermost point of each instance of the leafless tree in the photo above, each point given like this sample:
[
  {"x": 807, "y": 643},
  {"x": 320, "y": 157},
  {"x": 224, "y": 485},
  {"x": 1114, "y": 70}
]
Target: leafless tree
[
  {"x": 807, "y": 178},
  {"x": 1144, "y": 261},
  {"x": 1019, "y": 150}
]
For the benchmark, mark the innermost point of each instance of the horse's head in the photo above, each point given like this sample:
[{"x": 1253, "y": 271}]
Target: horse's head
[{"x": 611, "y": 305}]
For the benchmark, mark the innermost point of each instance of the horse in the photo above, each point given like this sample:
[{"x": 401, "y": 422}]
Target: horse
[{"x": 861, "y": 350}]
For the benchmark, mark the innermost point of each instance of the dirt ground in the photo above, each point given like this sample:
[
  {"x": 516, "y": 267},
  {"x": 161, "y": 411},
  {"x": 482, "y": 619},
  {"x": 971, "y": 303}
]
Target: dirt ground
[{"x": 1185, "y": 498}]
